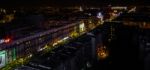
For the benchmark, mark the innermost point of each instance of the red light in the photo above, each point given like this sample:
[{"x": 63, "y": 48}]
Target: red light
[{"x": 7, "y": 40}]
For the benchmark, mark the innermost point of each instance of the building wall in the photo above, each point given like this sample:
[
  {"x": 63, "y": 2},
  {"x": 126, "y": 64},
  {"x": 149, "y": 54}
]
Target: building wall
[{"x": 21, "y": 49}]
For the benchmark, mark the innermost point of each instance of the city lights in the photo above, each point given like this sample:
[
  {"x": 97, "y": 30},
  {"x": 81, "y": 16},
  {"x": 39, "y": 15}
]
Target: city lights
[
  {"x": 82, "y": 27},
  {"x": 102, "y": 52},
  {"x": 60, "y": 41},
  {"x": 77, "y": 37},
  {"x": 7, "y": 40},
  {"x": 99, "y": 15},
  {"x": 2, "y": 41}
]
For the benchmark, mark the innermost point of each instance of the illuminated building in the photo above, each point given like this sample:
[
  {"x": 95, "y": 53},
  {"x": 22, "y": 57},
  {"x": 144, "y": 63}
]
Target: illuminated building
[{"x": 22, "y": 47}]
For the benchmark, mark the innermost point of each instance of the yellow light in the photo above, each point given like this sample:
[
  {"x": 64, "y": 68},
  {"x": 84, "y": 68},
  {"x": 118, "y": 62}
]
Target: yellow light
[
  {"x": 82, "y": 27},
  {"x": 46, "y": 46},
  {"x": 30, "y": 56},
  {"x": 102, "y": 52},
  {"x": 55, "y": 44},
  {"x": 59, "y": 41},
  {"x": 115, "y": 11}
]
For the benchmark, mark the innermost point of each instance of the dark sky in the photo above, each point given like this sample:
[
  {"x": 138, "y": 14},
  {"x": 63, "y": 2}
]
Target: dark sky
[{"x": 15, "y": 3}]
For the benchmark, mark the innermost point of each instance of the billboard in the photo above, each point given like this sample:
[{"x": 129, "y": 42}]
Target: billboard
[{"x": 2, "y": 58}]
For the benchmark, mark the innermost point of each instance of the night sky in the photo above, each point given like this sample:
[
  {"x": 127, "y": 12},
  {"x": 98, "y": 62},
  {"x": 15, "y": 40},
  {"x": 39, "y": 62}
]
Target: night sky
[{"x": 15, "y": 3}]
